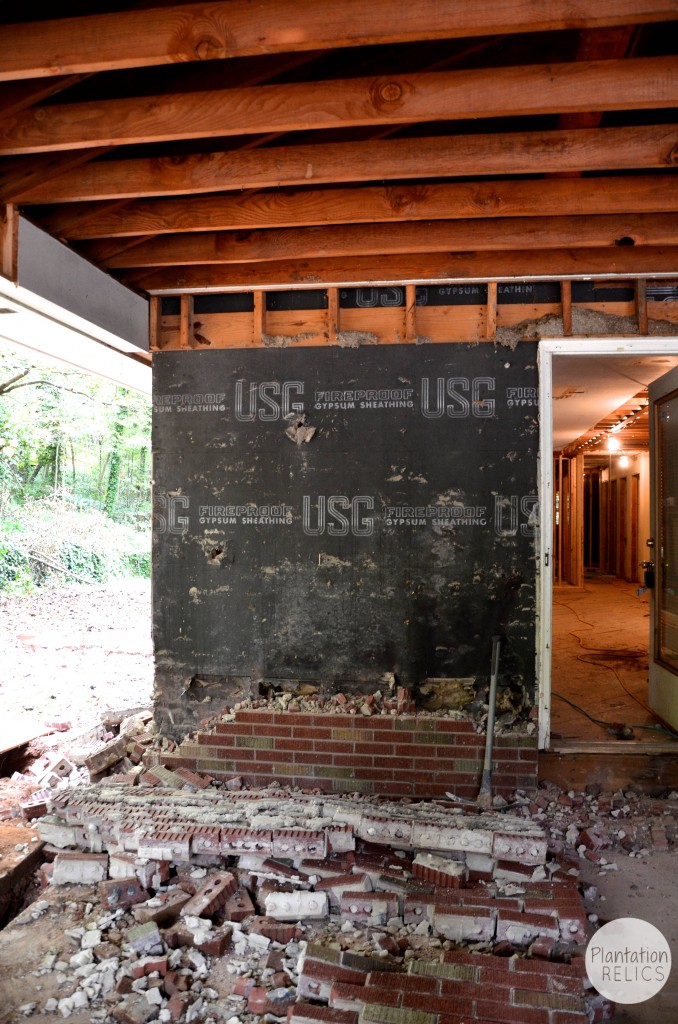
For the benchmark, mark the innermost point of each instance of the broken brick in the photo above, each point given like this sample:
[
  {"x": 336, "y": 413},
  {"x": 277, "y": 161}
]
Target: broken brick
[
  {"x": 122, "y": 892},
  {"x": 239, "y": 905},
  {"x": 211, "y": 896},
  {"x": 106, "y": 756}
]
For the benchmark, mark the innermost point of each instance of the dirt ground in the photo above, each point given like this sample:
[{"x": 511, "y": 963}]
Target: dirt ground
[{"x": 70, "y": 655}]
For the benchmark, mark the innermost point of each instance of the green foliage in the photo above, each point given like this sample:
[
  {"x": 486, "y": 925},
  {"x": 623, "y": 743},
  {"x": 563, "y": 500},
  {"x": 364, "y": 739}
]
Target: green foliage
[
  {"x": 75, "y": 500},
  {"x": 52, "y": 541}
]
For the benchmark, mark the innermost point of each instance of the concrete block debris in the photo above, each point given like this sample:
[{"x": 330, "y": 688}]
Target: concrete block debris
[{"x": 387, "y": 931}]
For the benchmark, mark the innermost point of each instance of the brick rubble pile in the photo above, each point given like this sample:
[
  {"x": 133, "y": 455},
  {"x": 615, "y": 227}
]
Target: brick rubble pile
[{"x": 218, "y": 905}]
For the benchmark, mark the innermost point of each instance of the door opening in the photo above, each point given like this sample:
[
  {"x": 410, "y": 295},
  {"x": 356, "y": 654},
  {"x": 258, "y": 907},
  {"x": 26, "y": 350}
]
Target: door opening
[{"x": 594, "y": 625}]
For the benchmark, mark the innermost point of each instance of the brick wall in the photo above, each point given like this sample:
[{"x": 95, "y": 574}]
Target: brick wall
[{"x": 405, "y": 755}]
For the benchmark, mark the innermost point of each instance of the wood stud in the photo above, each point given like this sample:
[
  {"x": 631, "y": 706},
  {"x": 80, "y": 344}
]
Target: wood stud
[
  {"x": 491, "y": 322},
  {"x": 390, "y": 325},
  {"x": 641, "y": 305},
  {"x": 566, "y": 302},
  {"x": 410, "y": 313},
  {"x": 332, "y": 315},
  {"x": 258, "y": 318},
  {"x": 9, "y": 241}
]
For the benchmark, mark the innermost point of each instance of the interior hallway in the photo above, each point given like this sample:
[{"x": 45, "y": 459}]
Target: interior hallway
[{"x": 600, "y": 641}]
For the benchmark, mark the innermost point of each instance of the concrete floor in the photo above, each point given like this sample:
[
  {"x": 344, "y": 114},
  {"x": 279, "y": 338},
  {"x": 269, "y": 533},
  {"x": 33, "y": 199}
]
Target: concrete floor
[
  {"x": 644, "y": 889},
  {"x": 600, "y": 645}
]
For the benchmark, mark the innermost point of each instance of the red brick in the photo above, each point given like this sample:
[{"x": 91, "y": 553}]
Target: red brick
[
  {"x": 353, "y": 761},
  {"x": 239, "y": 905},
  {"x": 177, "y": 1005},
  {"x": 227, "y": 729},
  {"x": 375, "y": 749},
  {"x": 404, "y": 982},
  {"x": 211, "y": 896},
  {"x": 505, "y": 1014},
  {"x": 382, "y": 722},
  {"x": 312, "y": 758},
  {"x": 341, "y": 994},
  {"x": 437, "y": 1004},
  {"x": 524, "y": 966},
  {"x": 337, "y": 747},
  {"x": 331, "y": 972},
  {"x": 256, "y": 716},
  {"x": 302, "y": 1013},
  {"x": 292, "y": 743},
  {"x": 276, "y": 931}
]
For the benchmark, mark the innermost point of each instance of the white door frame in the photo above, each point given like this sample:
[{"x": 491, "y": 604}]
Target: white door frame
[{"x": 547, "y": 350}]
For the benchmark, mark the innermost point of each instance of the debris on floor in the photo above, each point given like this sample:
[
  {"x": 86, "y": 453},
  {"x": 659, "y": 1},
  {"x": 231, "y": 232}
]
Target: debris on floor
[
  {"x": 210, "y": 904},
  {"x": 164, "y": 895}
]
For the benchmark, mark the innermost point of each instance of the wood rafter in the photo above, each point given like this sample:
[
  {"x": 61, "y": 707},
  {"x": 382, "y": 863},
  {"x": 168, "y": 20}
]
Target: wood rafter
[
  {"x": 512, "y": 233},
  {"x": 483, "y": 199},
  {"x": 540, "y": 152},
  {"x": 328, "y": 144},
  {"x": 658, "y": 261},
  {"x": 208, "y": 31},
  {"x": 642, "y": 83}
]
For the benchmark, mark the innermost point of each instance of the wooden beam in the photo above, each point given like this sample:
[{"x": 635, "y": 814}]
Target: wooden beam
[
  {"x": 28, "y": 172},
  {"x": 533, "y": 89},
  {"x": 604, "y": 149},
  {"x": 9, "y": 241},
  {"x": 361, "y": 205},
  {"x": 17, "y": 96},
  {"x": 207, "y": 31},
  {"x": 373, "y": 239},
  {"x": 544, "y": 264}
]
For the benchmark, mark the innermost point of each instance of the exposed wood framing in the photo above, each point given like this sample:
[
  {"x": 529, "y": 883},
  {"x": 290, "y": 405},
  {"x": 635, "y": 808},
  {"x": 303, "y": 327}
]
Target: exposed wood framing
[
  {"x": 154, "y": 333},
  {"x": 394, "y": 324},
  {"x": 186, "y": 321},
  {"x": 546, "y": 152},
  {"x": 410, "y": 313},
  {"x": 641, "y": 305},
  {"x": 491, "y": 322},
  {"x": 9, "y": 241},
  {"x": 623, "y": 261},
  {"x": 453, "y": 201},
  {"x": 208, "y": 31},
  {"x": 566, "y": 301},
  {"x": 259, "y": 318},
  {"x": 375, "y": 239},
  {"x": 332, "y": 315},
  {"x": 30, "y": 172},
  {"x": 16, "y": 96},
  {"x": 646, "y": 82}
]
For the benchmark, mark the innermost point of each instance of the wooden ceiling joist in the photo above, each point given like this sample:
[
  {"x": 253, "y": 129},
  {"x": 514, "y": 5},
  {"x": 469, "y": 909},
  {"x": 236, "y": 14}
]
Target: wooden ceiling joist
[
  {"x": 298, "y": 164},
  {"x": 542, "y": 152},
  {"x": 454, "y": 201},
  {"x": 642, "y": 83},
  {"x": 656, "y": 261},
  {"x": 513, "y": 233},
  {"x": 209, "y": 31}
]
